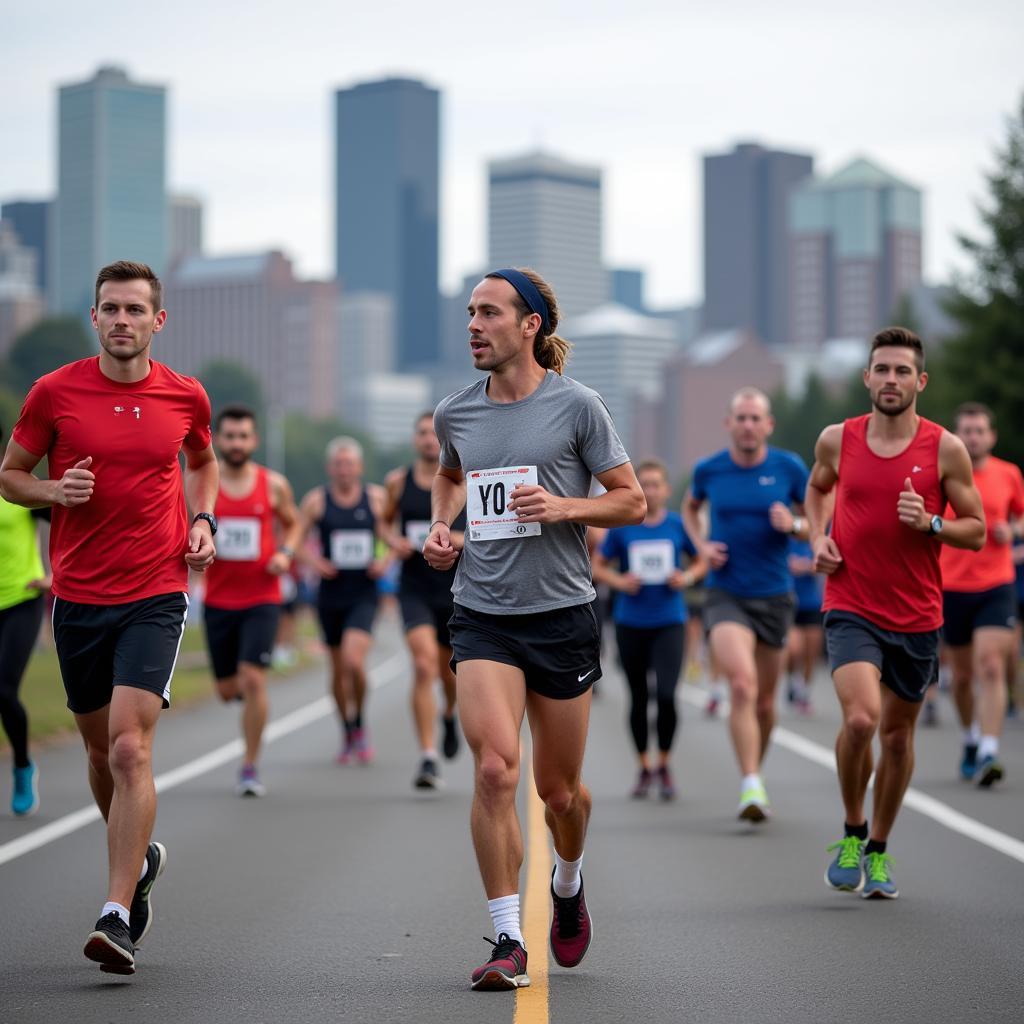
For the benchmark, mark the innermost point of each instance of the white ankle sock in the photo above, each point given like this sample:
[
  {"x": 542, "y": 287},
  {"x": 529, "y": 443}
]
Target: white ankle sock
[
  {"x": 567, "y": 880},
  {"x": 751, "y": 781},
  {"x": 144, "y": 869},
  {"x": 971, "y": 736},
  {"x": 122, "y": 912},
  {"x": 504, "y": 913},
  {"x": 988, "y": 747}
]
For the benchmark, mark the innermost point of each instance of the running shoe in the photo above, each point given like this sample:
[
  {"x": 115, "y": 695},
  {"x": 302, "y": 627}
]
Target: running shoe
[
  {"x": 846, "y": 872},
  {"x": 25, "y": 798},
  {"x": 969, "y": 761},
  {"x": 110, "y": 945},
  {"x": 989, "y": 771},
  {"x": 571, "y": 927},
  {"x": 141, "y": 910},
  {"x": 666, "y": 787},
  {"x": 754, "y": 804},
  {"x": 362, "y": 746},
  {"x": 878, "y": 883},
  {"x": 643, "y": 784},
  {"x": 428, "y": 776},
  {"x": 505, "y": 969},
  {"x": 450, "y": 743},
  {"x": 347, "y": 748},
  {"x": 249, "y": 782}
]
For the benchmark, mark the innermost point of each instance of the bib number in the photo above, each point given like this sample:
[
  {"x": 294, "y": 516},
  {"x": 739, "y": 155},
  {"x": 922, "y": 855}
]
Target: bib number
[
  {"x": 488, "y": 492},
  {"x": 653, "y": 561},
  {"x": 238, "y": 539},
  {"x": 351, "y": 549},
  {"x": 416, "y": 533}
]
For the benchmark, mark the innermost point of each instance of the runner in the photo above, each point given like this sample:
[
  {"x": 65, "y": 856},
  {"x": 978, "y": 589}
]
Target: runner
[
  {"x": 243, "y": 587},
  {"x": 23, "y": 584},
  {"x": 892, "y": 471},
  {"x": 519, "y": 448},
  {"x": 111, "y": 428},
  {"x": 425, "y": 597},
  {"x": 803, "y": 648},
  {"x": 650, "y": 617},
  {"x": 755, "y": 493},
  {"x": 979, "y": 600},
  {"x": 345, "y": 512}
]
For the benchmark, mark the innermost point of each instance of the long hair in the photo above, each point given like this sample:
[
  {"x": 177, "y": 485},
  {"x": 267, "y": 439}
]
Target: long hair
[{"x": 551, "y": 351}]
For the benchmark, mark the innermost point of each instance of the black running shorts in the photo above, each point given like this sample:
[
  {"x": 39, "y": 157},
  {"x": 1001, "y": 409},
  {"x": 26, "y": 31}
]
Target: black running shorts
[
  {"x": 909, "y": 662},
  {"x": 559, "y": 652},
  {"x": 335, "y": 619},
  {"x": 240, "y": 634},
  {"x": 808, "y": 617},
  {"x": 102, "y": 646},
  {"x": 769, "y": 618},
  {"x": 965, "y": 612},
  {"x": 417, "y": 610}
]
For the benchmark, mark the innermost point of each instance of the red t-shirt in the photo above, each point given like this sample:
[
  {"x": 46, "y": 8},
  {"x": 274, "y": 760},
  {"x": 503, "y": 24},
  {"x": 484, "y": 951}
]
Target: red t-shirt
[
  {"x": 1002, "y": 496},
  {"x": 129, "y": 540}
]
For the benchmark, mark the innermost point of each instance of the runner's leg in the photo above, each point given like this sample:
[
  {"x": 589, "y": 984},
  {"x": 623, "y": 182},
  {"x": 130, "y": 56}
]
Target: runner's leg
[
  {"x": 991, "y": 648},
  {"x": 668, "y": 654},
  {"x": 961, "y": 661},
  {"x": 732, "y": 647},
  {"x": 635, "y": 656},
  {"x": 859, "y": 689},
  {"x": 252, "y": 683},
  {"x": 896, "y": 763},
  {"x": 768, "y": 661},
  {"x": 422, "y": 641},
  {"x": 355, "y": 646}
]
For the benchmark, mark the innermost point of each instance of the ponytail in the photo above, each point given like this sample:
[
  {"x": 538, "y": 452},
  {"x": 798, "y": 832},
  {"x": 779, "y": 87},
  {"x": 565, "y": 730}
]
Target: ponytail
[{"x": 552, "y": 352}]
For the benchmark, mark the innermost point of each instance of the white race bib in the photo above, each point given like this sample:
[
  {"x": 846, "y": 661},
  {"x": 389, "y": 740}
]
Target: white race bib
[
  {"x": 238, "y": 539},
  {"x": 351, "y": 549},
  {"x": 416, "y": 533},
  {"x": 653, "y": 561},
  {"x": 488, "y": 492}
]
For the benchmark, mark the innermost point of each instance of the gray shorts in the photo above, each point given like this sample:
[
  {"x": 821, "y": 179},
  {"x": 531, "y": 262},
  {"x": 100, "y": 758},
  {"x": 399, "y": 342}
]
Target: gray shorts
[{"x": 768, "y": 617}]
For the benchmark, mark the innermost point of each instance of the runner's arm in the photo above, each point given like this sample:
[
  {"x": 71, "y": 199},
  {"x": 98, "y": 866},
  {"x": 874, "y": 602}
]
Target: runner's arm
[
  {"x": 202, "y": 480},
  {"x": 968, "y": 529},
  {"x": 820, "y": 500},
  {"x": 287, "y": 515},
  {"x": 20, "y": 487},
  {"x": 387, "y": 521},
  {"x": 622, "y": 504},
  {"x": 447, "y": 499}
]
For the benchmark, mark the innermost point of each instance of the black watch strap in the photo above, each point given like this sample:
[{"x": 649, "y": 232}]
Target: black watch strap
[{"x": 210, "y": 518}]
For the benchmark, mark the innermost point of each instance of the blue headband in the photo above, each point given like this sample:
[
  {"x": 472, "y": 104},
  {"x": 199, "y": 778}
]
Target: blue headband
[{"x": 528, "y": 292}]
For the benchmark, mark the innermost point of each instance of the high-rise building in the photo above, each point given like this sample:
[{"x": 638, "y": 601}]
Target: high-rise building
[
  {"x": 746, "y": 265},
  {"x": 855, "y": 251},
  {"x": 21, "y": 304},
  {"x": 185, "y": 227},
  {"x": 386, "y": 205},
  {"x": 626, "y": 286},
  {"x": 30, "y": 219},
  {"x": 111, "y": 183},
  {"x": 545, "y": 212}
]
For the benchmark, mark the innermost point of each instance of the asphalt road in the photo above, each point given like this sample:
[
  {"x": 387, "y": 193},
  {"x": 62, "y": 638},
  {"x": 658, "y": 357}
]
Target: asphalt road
[{"x": 346, "y": 896}]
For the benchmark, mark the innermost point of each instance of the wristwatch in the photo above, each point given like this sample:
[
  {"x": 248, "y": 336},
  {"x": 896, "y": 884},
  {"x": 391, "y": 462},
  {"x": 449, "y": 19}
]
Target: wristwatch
[
  {"x": 935, "y": 525},
  {"x": 798, "y": 525},
  {"x": 210, "y": 518}
]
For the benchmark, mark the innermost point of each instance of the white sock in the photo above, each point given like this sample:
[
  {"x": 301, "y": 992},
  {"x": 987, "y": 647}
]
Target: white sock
[
  {"x": 504, "y": 913},
  {"x": 144, "y": 869},
  {"x": 122, "y": 912},
  {"x": 988, "y": 747},
  {"x": 567, "y": 880},
  {"x": 751, "y": 781},
  {"x": 429, "y": 754},
  {"x": 971, "y": 736}
]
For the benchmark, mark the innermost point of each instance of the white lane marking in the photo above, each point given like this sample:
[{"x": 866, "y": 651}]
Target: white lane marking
[
  {"x": 914, "y": 798},
  {"x": 383, "y": 674}
]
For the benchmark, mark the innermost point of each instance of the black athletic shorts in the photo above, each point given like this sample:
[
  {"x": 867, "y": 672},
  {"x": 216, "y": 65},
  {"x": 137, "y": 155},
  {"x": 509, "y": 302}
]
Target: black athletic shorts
[
  {"x": 559, "y": 651},
  {"x": 419, "y": 610},
  {"x": 808, "y": 617},
  {"x": 768, "y": 617},
  {"x": 964, "y": 612},
  {"x": 909, "y": 662},
  {"x": 100, "y": 646},
  {"x": 335, "y": 619},
  {"x": 240, "y": 634}
]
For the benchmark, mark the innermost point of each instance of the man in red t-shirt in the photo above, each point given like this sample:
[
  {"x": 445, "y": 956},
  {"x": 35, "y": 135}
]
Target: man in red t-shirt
[
  {"x": 980, "y": 599},
  {"x": 893, "y": 473},
  {"x": 121, "y": 545}
]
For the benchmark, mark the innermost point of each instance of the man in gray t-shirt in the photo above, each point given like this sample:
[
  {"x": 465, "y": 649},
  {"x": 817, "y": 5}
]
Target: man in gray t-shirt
[{"x": 520, "y": 449}]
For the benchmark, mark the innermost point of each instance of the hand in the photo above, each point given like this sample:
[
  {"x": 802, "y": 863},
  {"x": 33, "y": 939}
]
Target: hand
[
  {"x": 1001, "y": 533},
  {"x": 826, "y": 556},
  {"x": 201, "y": 552},
  {"x": 326, "y": 569},
  {"x": 911, "y": 509},
  {"x": 677, "y": 580},
  {"x": 402, "y": 549},
  {"x": 627, "y": 583},
  {"x": 780, "y": 517},
  {"x": 279, "y": 563},
  {"x": 377, "y": 568},
  {"x": 715, "y": 553},
  {"x": 75, "y": 486},
  {"x": 1018, "y": 554},
  {"x": 532, "y": 504},
  {"x": 41, "y": 585},
  {"x": 800, "y": 566},
  {"x": 438, "y": 550}
]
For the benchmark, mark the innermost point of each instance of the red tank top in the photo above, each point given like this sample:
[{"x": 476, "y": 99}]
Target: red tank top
[
  {"x": 245, "y": 543},
  {"x": 890, "y": 573}
]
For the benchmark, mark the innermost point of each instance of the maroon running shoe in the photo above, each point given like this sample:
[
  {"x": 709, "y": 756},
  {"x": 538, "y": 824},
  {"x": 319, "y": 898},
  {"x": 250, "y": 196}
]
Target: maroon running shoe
[
  {"x": 506, "y": 967},
  {"x": 571, "y": 927},
  {"x": 643, "y": 784}
]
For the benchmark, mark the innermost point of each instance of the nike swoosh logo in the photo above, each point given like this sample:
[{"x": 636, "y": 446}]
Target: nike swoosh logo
[{"x": 579, "y": 679}]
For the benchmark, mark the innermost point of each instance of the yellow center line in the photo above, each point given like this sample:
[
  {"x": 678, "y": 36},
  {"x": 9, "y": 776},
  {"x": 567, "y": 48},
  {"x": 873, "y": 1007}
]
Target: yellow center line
[{"x": 532, "y": 1002}]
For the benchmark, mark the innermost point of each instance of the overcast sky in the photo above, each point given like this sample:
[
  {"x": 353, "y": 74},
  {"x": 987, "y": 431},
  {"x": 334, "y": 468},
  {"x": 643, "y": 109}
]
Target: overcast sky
[{"x": 642, "y": 88}]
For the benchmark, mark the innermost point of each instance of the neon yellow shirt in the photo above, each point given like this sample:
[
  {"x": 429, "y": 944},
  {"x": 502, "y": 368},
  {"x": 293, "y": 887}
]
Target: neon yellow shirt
[{"x": 19, "y": 555}]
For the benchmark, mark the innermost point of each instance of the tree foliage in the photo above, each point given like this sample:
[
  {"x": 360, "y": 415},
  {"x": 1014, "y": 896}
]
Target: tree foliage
[{"x": 52, "y": 343}]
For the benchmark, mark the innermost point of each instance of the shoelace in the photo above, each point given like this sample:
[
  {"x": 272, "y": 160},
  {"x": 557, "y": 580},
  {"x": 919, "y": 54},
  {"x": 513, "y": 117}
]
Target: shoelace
[
  {"x": 567, "y": 910},
  {"x": 878, "y": 866},
  {"x": 503, "y": 947},
  {"x": 849, "y": 851}
]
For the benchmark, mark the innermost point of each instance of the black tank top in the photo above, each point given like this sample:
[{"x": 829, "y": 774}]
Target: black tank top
[
  {"x": 414, "y": 522},
  {"x": 347, "y": 538}
]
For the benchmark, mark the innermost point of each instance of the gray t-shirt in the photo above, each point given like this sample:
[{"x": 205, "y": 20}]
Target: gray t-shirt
[{"x": 565, "y": 431}]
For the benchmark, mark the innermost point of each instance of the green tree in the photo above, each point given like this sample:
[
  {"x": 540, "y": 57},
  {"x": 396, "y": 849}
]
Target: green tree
[
  {"x": 229, "y": 383},
  {"x": 52, "y": 343}
]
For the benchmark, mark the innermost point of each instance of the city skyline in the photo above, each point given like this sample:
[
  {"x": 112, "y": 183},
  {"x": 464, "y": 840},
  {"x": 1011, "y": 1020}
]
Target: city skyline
[{"x": 641, "y": 93}]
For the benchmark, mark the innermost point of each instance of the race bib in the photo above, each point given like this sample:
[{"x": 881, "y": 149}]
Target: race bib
[
  {"x": 352, "y": 549},
  {"x": 488, "y": 492},
  {"x": 653, "y": 561},
  {"x": 238, "y": 539},
  {"x": 416, "y": 533}
]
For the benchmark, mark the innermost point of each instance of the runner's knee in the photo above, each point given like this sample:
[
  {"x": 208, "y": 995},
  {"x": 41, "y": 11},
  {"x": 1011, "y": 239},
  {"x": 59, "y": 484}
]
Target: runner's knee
[
  {"x": 743, "y": 690},
  {"x": 129, "y": 755},
  {"x": 860, "y": 725},
  {"x": 897, "y": 739},
  {"x": 496, "y": 776}
]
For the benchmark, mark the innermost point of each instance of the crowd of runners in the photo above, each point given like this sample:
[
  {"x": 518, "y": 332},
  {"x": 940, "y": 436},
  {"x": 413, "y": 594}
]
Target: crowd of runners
[{"x": 902, "y": 539}]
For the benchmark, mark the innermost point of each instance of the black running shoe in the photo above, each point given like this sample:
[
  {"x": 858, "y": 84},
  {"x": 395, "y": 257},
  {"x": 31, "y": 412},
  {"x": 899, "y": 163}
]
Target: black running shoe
[
  {"x": 110, "y": 945},
  {"x": 428, "y": 776},
  {"x": 142, "y": 906},
  {"x": 450, "y": 744},
  {"x": 571, "y": 927}
]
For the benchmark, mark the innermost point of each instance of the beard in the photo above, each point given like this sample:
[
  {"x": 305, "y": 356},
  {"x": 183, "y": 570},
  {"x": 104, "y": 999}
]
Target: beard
[
  {"x": 892, "y": 410},
  {"x": 235, "y": 459}
]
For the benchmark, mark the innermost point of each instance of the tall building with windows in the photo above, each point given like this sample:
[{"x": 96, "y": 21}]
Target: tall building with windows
[
  {"x": 111, "y": 183},
  {"x": 184, "y": 227},
  {"x": 30, "y": 219},
  {"x": 545, "y": 212},
  {"x": 387, "y": 166}
]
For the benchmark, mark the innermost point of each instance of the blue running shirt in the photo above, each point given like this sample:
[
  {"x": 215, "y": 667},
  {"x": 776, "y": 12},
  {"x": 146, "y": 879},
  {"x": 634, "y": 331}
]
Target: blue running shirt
[{"x": 809, "y": 589}]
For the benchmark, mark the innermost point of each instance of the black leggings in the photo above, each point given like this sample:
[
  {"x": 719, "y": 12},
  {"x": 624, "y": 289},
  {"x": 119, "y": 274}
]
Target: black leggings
[
  {"x": 19, "y": 629},
  {"x": 640, "y": 651}
]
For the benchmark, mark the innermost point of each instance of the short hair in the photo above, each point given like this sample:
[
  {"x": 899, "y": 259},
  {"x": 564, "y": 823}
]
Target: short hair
[
  {"x": 644, "y": 465},
  {"x": 344, "y": 444},
  {"x": 237, "y": 411},
  {"x": 125, "y": 270},
  {"x": 751, "y": 392},
  {"x": 899, "y": 337},
  {"x": 974, "y": 409}
]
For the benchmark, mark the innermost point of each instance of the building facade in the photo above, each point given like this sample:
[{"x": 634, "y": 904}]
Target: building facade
[{"x": 30, "y": 219}]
